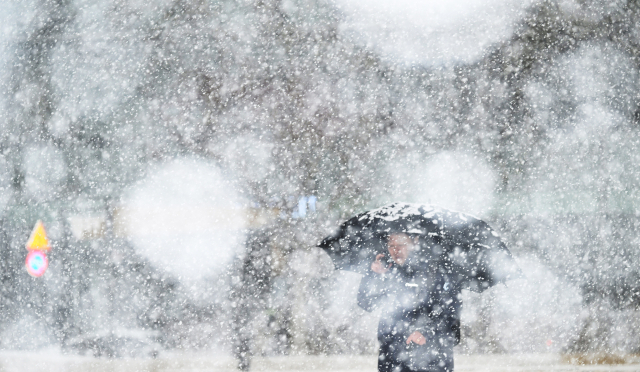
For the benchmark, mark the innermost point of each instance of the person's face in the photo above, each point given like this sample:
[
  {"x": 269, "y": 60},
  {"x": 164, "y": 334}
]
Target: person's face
[{"x": 400, "y": 245}]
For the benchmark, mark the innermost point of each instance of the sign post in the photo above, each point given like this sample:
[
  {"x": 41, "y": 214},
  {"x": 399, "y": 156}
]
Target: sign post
[{"x": 38, "y": 246}]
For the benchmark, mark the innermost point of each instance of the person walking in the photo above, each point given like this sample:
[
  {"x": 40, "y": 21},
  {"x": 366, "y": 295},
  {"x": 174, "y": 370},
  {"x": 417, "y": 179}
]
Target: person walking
[
  {"x": 415, "y": 260},
  {"x": 419, "y": 324}
]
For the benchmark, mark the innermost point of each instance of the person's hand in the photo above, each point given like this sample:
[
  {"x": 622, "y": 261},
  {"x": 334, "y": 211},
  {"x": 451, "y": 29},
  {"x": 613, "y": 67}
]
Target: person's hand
[
  {"x": 417, "y": 338},
  {"x": 378, "y": 267}
]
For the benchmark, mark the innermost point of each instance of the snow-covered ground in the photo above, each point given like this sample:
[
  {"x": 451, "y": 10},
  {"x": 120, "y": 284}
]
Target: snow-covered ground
[{"x": 177, "y": 362}]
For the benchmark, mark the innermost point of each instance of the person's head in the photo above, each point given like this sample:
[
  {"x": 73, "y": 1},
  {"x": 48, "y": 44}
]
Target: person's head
[{"x": 400, "y": 245}]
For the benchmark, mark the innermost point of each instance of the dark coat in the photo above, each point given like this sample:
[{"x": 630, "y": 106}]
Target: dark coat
[{"x": 417, "y": 296}]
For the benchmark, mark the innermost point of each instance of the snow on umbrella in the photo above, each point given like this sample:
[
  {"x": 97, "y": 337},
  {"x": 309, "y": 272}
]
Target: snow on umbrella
[{"x": 463, "y": 244}]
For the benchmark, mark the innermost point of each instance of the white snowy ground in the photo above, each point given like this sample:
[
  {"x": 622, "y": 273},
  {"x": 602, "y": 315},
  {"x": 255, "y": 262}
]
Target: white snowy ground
[{"x": 178, "y": 362}]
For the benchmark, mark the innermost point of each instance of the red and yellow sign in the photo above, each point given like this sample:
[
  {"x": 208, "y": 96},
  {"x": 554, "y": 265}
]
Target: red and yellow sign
[{"x": 38, "y": 246}]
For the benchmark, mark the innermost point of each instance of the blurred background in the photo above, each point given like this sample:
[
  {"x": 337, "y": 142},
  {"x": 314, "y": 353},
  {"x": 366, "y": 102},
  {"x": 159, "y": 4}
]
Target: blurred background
[{"x": 186, "y": 156}]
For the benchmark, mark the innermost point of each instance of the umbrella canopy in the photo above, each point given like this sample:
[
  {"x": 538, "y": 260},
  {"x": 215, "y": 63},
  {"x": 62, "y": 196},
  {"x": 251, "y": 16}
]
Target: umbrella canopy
[{"x": 462, "y": 244}]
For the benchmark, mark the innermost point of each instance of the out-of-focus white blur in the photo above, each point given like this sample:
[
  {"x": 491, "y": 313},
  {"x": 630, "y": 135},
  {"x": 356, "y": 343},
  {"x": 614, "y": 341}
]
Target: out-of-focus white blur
[
  {"x": 187, "y": 218},
  {"x": 452, "y": 180},
  {"x": 432, "y": 31}
]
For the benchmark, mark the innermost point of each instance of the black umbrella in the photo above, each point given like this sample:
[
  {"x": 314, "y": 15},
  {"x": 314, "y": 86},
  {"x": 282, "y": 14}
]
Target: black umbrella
[{"x": 462, "y": 244}]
